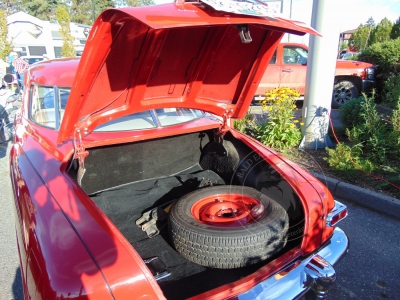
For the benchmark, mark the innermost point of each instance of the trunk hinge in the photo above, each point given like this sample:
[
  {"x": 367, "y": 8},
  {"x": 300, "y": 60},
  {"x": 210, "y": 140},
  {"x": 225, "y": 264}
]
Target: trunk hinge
[
  {"x": 226, "y": 117},
  {"x": 80, "y": 154},
  {"x": 219, "y": 133}
]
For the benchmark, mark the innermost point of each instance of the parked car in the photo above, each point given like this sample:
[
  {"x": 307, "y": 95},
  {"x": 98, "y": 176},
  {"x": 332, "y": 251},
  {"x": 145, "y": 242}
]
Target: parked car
[
  {"x": 129, "y": 182},
  {"x": 32, "y": 59},
  {"x": 348, "y": 55},
  {"x": 288, "y": 68}
]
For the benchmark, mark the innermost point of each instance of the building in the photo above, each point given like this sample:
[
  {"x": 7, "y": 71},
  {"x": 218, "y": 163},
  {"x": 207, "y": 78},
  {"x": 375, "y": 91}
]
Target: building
[
  {"x": 344, "y": 38},
  {"x": 34, "y": 37}
]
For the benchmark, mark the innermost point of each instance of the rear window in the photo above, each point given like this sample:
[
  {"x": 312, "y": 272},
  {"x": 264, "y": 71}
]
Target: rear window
[
  {"x": 151, "y": 119},
  {"x": 48, "y": 104}
]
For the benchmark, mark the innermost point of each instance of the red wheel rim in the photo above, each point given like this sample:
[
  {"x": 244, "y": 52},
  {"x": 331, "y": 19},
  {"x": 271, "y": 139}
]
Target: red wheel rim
[{"x": 227, "y": 210}]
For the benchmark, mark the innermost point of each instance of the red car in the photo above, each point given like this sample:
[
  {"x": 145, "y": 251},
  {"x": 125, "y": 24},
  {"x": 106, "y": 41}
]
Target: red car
[
  {"x": 288, "y": 68},
  {"x": 129, "y": 182}
]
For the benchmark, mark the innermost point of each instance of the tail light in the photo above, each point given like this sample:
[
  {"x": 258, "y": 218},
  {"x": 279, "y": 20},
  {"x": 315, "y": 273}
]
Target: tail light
[{"x": 338, "y": 213}]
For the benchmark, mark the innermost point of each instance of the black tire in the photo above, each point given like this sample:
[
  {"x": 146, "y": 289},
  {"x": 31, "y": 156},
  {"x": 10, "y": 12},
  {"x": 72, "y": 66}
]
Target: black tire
[
  {"x": 343, "y": 91},
  {"x": 227, "y": 247}
]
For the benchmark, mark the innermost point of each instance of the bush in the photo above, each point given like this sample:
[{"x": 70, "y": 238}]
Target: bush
[
  {"x": 386, "y": 57},
  {"x": 350, "y": 112},
  {"x": 391, "y": 91},
  {"x": 348, "y": 159},
  {"x": 374, "y": 133},
  {"x": 279, "y": 130},
  {"x": 244, "y": 124}
]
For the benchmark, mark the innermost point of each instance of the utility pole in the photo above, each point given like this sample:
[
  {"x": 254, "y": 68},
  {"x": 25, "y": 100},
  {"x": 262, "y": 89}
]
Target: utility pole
[{"x": 320, "y": 74}]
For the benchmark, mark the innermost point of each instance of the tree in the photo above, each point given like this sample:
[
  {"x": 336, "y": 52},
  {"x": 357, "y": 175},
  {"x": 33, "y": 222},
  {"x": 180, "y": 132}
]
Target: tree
[
  {"x": 5, "y": 44},
  {"x": 362, "y": 37},
  {"x": 11, "y": 6},
  {"x": 63, "y": 19},
  {"x": 81, "y": 12},
  {"x": 133, "y": 3},
  {"x": 43, "y": 10},
  {"x": 370, "y": 23},
  {"x": 343, "y": 46},
  {"x": 100, "y": 6},
  {"x": 382, "y": 31},
  {"x": 395, "y": 33}
]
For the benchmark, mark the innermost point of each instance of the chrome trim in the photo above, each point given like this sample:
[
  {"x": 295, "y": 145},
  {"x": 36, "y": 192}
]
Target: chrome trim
[
  {"x": 305, "y": 275},
  {"x": 320, "y": 275},
  {"x": 339, "y": 207}
]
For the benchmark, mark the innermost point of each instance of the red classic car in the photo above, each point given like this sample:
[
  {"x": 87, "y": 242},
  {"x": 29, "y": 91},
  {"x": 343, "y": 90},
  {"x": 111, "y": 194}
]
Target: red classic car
[
  {"x": 129, "y": 182},
  {"x": 288, "y": 68}
]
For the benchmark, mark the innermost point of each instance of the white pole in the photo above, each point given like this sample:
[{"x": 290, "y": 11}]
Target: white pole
[{"x": 321, "y": 66}]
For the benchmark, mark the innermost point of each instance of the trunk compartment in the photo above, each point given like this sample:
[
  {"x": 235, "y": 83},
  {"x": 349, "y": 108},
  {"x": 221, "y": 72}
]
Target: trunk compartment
[{"x": 127, "y": 180}]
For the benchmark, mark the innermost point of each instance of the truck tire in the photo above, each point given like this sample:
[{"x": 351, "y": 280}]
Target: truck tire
[
  {"x": 343, "y": 91},
  {"x": 227, "y": 226}
]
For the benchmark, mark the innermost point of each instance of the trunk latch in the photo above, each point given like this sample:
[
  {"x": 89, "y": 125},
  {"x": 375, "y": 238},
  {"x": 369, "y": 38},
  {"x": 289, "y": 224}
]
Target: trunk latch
[{"x": 80, "y": 154}]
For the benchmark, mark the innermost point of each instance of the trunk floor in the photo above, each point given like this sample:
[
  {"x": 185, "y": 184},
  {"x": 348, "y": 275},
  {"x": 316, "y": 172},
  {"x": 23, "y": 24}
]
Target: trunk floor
[{"x": 125, "y": 204}]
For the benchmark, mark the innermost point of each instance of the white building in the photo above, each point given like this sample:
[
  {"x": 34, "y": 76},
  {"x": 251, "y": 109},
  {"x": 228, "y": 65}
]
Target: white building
[{"x": 33, "y": 37}]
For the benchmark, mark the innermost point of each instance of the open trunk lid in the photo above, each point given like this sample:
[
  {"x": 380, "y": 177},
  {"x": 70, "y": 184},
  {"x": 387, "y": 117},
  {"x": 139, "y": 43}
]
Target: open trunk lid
[{"x": 187, "y": 55}]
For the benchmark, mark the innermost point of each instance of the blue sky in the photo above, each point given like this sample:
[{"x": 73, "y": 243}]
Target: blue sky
[{"x": 351, "y": 13}]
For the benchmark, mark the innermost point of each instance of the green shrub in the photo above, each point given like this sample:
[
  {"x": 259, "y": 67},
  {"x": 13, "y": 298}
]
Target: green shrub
[
  {"x": 391, "y": 91},
  {"x": 395, "y": 120},
  {"x": 349, "y": 113},
  {"x": 385, "y": 55},
  {"x": 344, "y": 158},
  {"x": 243, "y": 124},
  {"x": 386, "y": 58},
  {"x": 279, "y": 130},
  {"x": 373, "y": 133}
]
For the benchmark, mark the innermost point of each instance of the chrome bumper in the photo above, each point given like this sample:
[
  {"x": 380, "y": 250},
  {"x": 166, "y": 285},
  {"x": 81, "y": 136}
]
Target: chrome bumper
[{"x": 314, "y": 272}]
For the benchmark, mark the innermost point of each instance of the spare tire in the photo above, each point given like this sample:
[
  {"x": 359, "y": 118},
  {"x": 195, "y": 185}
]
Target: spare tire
[{"x": 227, "y": 226}]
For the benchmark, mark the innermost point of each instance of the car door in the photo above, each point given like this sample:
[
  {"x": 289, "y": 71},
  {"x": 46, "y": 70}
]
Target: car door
[
  {"x": 294, "y": 68},
  {"x": 271, "y": 77}
]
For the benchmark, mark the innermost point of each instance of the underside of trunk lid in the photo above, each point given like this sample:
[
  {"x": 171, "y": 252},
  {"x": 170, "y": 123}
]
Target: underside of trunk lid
[{"x": 188, "y": 56}]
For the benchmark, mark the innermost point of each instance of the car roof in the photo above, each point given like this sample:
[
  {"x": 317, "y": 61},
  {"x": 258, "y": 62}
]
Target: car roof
[{"x": 58, "y": 72}]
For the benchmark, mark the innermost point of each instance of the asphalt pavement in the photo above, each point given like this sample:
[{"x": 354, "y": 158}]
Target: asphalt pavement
[{"x": 10, "y": 278}]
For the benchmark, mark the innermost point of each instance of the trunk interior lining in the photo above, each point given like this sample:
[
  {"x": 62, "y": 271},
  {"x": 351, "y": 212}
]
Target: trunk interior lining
[{"x": 126, "y": 180}]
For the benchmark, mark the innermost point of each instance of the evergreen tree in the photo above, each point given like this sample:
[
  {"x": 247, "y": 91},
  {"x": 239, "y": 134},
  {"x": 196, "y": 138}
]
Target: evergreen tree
[
  {"x": 11, "y": 6},
  {"x": 395, "y": 33},
  {"x": 370, "y": 23},
  {"x": 63, "y": 19},
  {"x": 362, "y": 37},
  {"x": 133, "y": 3},
  {"x": 382, "y": 31},
  {"x": 81, "y": 12},
  {"x": 43, "y": 10},
  {"x": 5, "y": 44},
  {"x": 102, "y": 5}
]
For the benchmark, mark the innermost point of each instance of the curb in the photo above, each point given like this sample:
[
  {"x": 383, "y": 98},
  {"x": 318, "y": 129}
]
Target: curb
[{"x": 369, "y": 199}]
